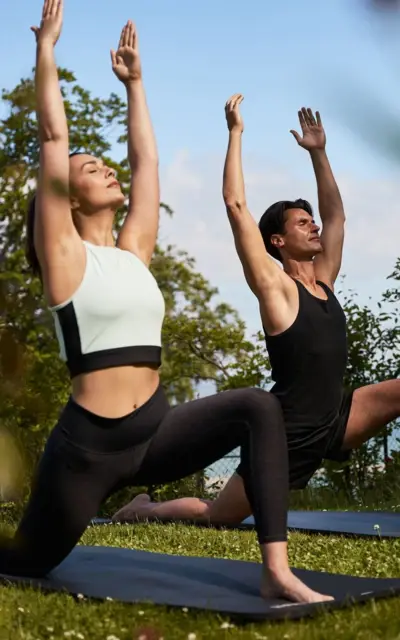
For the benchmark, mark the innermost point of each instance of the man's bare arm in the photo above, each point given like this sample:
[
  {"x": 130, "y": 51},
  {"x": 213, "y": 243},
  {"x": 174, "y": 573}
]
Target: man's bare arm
[
  {"x": 260, "y": 270},
  {"x": 276, "y": 292},
  {"x": 328, "y": 263}
]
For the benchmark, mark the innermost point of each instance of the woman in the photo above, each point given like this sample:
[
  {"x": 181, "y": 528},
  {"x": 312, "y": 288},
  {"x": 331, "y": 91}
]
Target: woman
[{"x": 117, "y": 429}]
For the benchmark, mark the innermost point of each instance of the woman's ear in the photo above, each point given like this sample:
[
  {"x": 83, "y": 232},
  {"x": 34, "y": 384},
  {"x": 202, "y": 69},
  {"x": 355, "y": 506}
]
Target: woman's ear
[{"x": 74, "y": 203}]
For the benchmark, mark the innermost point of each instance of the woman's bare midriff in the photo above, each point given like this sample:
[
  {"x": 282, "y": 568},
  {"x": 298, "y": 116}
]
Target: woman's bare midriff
[{"x": 115, "y": 392}]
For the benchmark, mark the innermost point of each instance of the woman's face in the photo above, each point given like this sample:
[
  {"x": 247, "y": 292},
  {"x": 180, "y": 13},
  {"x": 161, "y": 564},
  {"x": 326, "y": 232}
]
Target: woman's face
[{"x": 93, "y": 185}]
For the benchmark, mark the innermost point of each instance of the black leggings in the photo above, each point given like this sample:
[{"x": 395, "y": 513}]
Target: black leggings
[{"x": 87, "y": 458}]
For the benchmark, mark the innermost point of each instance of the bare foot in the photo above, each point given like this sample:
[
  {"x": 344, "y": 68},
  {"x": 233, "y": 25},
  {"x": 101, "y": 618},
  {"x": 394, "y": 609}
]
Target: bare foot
[
  {"x": 287, "y": 586},
  {"x": 137, "y": 509}
]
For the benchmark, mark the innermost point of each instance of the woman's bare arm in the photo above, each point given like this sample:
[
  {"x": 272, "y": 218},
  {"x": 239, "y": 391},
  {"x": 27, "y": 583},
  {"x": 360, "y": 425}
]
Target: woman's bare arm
[
  {"x": 55, "y": 237},
  {"x": 140, "y": 228}
]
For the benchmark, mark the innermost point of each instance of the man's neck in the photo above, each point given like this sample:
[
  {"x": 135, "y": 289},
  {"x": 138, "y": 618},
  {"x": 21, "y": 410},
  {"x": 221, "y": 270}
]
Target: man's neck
[{"x": 303, "y": 271}]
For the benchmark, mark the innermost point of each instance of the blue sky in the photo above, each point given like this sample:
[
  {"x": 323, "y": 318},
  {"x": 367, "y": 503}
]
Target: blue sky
[
  {"x": 280, "y": 55},
  {"x": 334, "y": 55}
]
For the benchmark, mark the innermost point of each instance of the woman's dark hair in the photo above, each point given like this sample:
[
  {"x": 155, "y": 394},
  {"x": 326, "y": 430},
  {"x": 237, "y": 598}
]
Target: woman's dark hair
[
  {"x": 30, "y": 251},
  {"x": 274, "y": 219}
]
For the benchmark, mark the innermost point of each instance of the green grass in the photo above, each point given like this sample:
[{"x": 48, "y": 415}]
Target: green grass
[{"x": 29, "y": 615}]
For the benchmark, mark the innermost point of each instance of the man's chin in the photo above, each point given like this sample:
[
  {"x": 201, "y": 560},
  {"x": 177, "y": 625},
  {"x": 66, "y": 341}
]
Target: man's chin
[
  {"x": 315, "y": 250},
  {"x": 317, "y": 247}
]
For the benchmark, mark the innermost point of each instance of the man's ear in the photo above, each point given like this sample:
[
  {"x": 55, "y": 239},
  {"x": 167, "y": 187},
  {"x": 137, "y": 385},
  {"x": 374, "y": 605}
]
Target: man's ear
[{"x": 277, "y": 241}]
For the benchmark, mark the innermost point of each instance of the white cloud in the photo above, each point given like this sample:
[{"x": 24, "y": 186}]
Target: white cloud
[{"x": 192, "y": 187}]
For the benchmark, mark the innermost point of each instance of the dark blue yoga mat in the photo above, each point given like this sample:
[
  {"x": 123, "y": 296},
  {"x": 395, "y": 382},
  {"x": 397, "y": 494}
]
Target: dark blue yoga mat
[
  {"x": 229, "y": 587},
  {"x": 380, "y": 524}
]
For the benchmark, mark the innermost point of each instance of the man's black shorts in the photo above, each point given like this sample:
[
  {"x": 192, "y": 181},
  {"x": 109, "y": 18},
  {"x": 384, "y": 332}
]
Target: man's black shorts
[{"x": 305, "y": 458}]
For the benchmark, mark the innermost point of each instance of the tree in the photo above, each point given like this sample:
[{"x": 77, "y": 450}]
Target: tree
[{"x": 204, "y": 339}]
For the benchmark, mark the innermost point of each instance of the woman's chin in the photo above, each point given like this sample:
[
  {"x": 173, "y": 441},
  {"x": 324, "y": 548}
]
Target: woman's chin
[{"x": 117, "y": 199}]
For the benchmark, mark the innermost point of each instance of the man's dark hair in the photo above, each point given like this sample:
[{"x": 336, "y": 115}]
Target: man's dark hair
[
  {"x": 30, "y": 251},
  {"x": 273, "y": 221}
]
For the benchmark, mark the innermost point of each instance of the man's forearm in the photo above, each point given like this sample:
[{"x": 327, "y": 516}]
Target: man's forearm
[
  {"x": 233, "y": 182},
  {"x": 329, "y": 198}
]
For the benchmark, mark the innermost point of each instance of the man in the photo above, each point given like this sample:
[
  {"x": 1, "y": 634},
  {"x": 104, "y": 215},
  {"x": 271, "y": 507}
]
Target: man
[{"x": 304, "y": 326}]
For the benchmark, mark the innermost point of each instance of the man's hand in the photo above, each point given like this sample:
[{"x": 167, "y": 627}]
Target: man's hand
[
  {"x": 232, "y": 113},
  {"x": 313, "y": 132},
  {"x": 51, "y": 23},
  {"x": 126, "y": 60}
]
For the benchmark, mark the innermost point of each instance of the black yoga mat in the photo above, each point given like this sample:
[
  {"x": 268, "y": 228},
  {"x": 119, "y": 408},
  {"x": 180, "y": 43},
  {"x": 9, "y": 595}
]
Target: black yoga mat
[
  {"x": 380, "y": 524},
  {"x": 229, "y": 587}
]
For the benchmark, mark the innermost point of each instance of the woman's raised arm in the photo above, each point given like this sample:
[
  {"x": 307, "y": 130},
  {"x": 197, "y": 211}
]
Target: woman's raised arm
[
  {"x": 55, "y": 237},
  {"x": 140, "y": 228}
]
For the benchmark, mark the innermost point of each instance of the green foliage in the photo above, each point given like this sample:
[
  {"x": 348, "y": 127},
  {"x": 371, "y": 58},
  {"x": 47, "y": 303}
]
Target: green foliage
[{"x": 393, "y": 294}]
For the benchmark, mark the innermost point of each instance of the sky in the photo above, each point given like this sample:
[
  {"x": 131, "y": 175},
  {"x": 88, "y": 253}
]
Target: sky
[{"x": 336, "y": 56}]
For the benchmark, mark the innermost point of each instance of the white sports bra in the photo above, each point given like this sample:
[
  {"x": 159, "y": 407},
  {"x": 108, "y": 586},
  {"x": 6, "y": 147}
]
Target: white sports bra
[{"x": 115, "y": 316}]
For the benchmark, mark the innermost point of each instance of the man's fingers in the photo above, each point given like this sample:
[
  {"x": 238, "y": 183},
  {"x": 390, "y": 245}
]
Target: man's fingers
[
  {"x": 239, "y": 100},
  {"x": 60, "y": 7},
  {"x": 311, "y": 119},
  {"x": 319, "y": 119},
  {"x": 306, "y": 116},
  {"x": 45, "y": 8},
  {"x": 35, "y": 30},
  {"x": 52, "y": 8},
  {"x": 302, "y": 121},
  {"x": 233, "y": 103},
  {"x": 113, "y": 58},
  {"x": 296, "y": 136},
  {"x": 233, "y": 98}
]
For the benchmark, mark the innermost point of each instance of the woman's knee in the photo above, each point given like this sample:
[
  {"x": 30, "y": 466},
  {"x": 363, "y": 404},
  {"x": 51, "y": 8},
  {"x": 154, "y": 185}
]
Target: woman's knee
[{"x": 257, "y": 402}]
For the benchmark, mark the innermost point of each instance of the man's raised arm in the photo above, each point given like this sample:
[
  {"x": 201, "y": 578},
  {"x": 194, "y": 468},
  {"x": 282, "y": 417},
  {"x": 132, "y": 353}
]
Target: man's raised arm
[
  {"x": 260, "y": 270},
  {"x": 328, "y": 263}
]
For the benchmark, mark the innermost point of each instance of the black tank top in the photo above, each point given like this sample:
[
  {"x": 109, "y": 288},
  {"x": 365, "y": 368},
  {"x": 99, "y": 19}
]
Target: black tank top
[{"x": 308, "y": 363}]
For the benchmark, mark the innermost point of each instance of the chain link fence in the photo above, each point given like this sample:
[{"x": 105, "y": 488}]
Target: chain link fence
[{"x": 216, "y": 476}]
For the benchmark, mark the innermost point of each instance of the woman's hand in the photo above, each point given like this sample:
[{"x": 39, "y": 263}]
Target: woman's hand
[
  {"x": 126, "y": 60},
  {"x": 51, "y": 23}
]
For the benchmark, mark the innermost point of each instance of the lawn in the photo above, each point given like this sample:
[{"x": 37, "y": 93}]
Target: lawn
[{"x": 29, "y": 615}]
